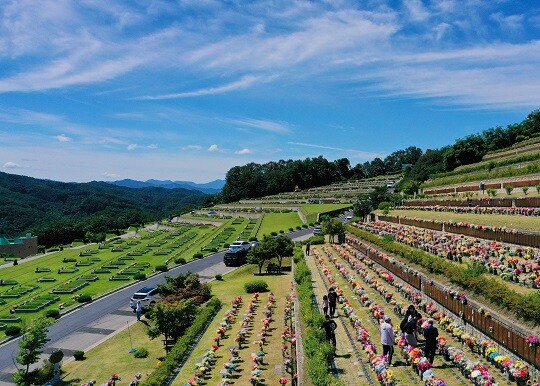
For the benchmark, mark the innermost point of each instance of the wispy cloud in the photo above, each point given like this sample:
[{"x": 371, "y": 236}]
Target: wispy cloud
[
  {"x": 194, "y": 147},
  {"x": 244, "y": 151},
  {"x": 11, "y": 165},
  {"x": 63, "y": 138},
  {"x": 132, "y": 146},
  {"x": 214, "y": 148},
  {"x": 360, "y": 154},
  {"x": 240, "y": 84},
  {"x": 262, "y": 124}
]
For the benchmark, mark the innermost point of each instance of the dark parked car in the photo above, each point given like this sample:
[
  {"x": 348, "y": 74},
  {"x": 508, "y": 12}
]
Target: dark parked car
[{"x": 235, "y": 259}]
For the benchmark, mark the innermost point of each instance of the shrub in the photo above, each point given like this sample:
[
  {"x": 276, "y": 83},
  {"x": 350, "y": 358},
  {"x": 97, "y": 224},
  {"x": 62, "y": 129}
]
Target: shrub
[
  {"x": 139, "y": 276},
  {"x": 304, "y": 226},
  {"x": 298, "y": 227},
  {"x": 311, "y": 224},
  {"x": 84, "y": 298},
  {"x": 214, "y": 249},
  {"x": 538, "y": 188},
  {"x": 161, "y": 268},
  {"x": 256, "y": 286},
  {"x": 198, "y": 255},
  {"x": 508, "y": 188},
  {"x": 180, "y": 260},
  {"x": 13, "y": 330},
  {"x": 52, "y": 313},
  {"x": 141, "y": 353},
  {"x": 273, "y": 233},
  {"x": 218, "y": 277},
  {"x": 291, "y": 229},
  {"x": 384, "y": 205},
  {"x": 315, "y": 240},
  {"x": 281, "y": 231},
  {"x": 78, "y": 355},
  {"x": 225, "y": 245},
  {"x": 525, "y": 190}
]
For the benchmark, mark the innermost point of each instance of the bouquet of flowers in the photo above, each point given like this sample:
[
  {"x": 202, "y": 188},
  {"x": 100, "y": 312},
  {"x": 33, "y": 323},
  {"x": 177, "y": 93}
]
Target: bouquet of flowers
[{"x": 533, "y": 340}]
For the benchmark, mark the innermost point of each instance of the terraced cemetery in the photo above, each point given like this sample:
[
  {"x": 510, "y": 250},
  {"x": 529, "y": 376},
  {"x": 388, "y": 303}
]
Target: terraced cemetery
[{"x": 55, "y": 282}]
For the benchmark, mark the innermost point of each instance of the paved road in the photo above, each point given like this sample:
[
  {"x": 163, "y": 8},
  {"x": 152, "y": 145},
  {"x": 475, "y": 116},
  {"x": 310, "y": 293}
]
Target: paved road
[{"x": 95, "y": 322}]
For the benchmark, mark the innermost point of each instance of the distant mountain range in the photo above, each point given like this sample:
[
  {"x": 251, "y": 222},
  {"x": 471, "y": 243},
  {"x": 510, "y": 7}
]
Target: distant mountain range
[{"x": 211, "y": 187}]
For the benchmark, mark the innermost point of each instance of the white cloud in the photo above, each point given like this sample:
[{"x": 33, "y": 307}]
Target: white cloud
[
  {"x": 11, "y": 165},
  {"x": 132, "y": 146},
  {"x": 243, "y": 83},
  {"x": 110, "y": 176},
  {"x": 194, "y": 147},
  {"x": 214, "y": 148},
  {"x": 266, "y": 125},
  {"x": 508, "y": 23},
  {"x": 152, "y": 146},
  {"x": 416, "y": 10},
  {"x": 243, "y": 151},
  {"x": 63, "y": 138}
]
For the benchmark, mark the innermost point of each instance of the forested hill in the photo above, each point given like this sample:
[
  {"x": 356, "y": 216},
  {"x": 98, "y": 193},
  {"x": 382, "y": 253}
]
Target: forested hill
[
  {"x": 59, "y": 212},
  {"x": 257, "y": 180}
]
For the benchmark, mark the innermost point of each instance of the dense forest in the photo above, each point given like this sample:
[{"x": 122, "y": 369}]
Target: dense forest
[
  {"x": 257, "y": 180},
  {"x": 60, "y": 212}
]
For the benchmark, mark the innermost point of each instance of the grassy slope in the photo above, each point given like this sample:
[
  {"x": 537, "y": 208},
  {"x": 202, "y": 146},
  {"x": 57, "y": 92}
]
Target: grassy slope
[{"x": 278, "y": 221}]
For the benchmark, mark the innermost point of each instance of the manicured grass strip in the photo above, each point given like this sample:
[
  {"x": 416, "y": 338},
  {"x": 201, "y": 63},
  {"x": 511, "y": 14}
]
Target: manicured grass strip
[
  {"x": 317, "y": 351},
  {"x": 499, "y": 294},
  {"x": 274, "y": 222},
  {"x": 181, "y": 348}
]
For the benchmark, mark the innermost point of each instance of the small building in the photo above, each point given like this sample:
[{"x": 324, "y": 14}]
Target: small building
[{"x": 20, "y": 246}]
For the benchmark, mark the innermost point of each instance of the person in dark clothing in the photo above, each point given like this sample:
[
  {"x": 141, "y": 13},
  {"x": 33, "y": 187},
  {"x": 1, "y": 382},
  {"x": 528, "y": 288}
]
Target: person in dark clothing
[
  {"x": 307, "y": 248},
  {"x": 329, "y": 328},
  {"x": 332, "y": 300},
  {"x": 430, "y": 334},
  {"x": 409, "y": 314}
]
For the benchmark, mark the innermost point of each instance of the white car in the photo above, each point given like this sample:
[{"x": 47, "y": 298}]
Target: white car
[
  {"x": 148, "y": 296},
  {"x": 239, "y": 245},
  {"x": 317, "y": 230}
]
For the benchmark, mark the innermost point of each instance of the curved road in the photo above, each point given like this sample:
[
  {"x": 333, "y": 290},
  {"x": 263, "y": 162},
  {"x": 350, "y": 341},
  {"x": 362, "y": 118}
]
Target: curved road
[{"x": 94, "y": 322}]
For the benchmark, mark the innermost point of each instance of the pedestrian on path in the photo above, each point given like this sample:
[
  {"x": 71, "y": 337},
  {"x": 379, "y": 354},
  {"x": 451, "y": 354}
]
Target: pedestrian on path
[
  {"x": 388, "y": 338},
  {"x": 430, "y": 334},
  {"x": 329, "y": 328},
  {"x": 332, "y": 300},
  {"x": 138, "y": 310},
  {"x": 325, "y": 305},
  {"x": 307, "y": 248}
]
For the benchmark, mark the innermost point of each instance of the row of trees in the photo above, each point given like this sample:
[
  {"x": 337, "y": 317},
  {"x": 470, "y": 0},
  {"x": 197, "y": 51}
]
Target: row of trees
[{"x": 257, "y": 180}]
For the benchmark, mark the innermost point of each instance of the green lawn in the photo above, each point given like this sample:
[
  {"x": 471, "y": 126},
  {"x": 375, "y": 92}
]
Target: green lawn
[
  {"x": 91, "y": 273},
  {"x": 312, "y": 210},
  {"x": 274, "y": 222},
  {"x": 509, "y": 221},
  {"x": 119, "y": 359}
]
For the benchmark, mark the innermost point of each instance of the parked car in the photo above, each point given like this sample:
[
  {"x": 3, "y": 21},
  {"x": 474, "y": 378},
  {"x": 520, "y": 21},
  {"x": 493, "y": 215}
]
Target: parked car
[
  {"x": 255, "y": 244},
  {"x": 239, "y": 245},
  {"x": 235, "y": 258},
  {"x": 147, "y": 295},
  {"x": 317, "y": 230}
]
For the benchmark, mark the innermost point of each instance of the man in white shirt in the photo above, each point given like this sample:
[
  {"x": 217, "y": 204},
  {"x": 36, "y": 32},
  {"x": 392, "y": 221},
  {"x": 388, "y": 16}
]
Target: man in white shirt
[{"x": 388, "y": 339}]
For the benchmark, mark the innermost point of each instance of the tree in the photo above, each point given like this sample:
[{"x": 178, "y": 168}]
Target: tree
[
  {"x": 281, "y": 247},
  {"x": 260, "y": 254},
  {"x": 171, "y": 319},
  {"x": 333, "y": 227},
  {"x": 30, "y": 348},
  {"x": 362, "y": 207}
]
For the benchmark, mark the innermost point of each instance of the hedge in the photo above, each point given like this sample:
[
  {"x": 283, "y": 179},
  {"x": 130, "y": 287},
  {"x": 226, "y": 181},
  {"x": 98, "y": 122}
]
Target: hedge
[
  {"x": 317, "y": 351},
  {"x": 159, "y": 376},
  {"x": 526, "y": 307}
]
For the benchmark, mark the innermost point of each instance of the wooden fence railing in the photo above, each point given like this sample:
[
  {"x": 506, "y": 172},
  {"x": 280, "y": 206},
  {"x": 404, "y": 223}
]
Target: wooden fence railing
[{"x": 492, "y": 327}]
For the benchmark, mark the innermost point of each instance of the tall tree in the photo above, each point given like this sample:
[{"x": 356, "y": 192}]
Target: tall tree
[
  {"x": 171, "y": 319},
  {"x": 30, "y": 348}
]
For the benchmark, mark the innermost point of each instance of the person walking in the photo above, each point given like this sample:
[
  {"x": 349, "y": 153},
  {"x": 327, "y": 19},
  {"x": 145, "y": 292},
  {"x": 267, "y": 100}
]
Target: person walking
[
  {"x": 325, "y": 304},
  {"x": 307, "y": 248},
  {"x": 332, "y": 300},
  {"x": 388, "y": 338},
  {"x": 329, "y": 328},
  {"x": 430, "y": 334},
  {"x": 138, "y": 310}
]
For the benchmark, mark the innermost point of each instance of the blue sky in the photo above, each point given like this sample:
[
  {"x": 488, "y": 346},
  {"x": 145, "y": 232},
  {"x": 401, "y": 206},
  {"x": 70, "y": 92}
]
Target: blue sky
[{"x": 186, "y": 89}]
